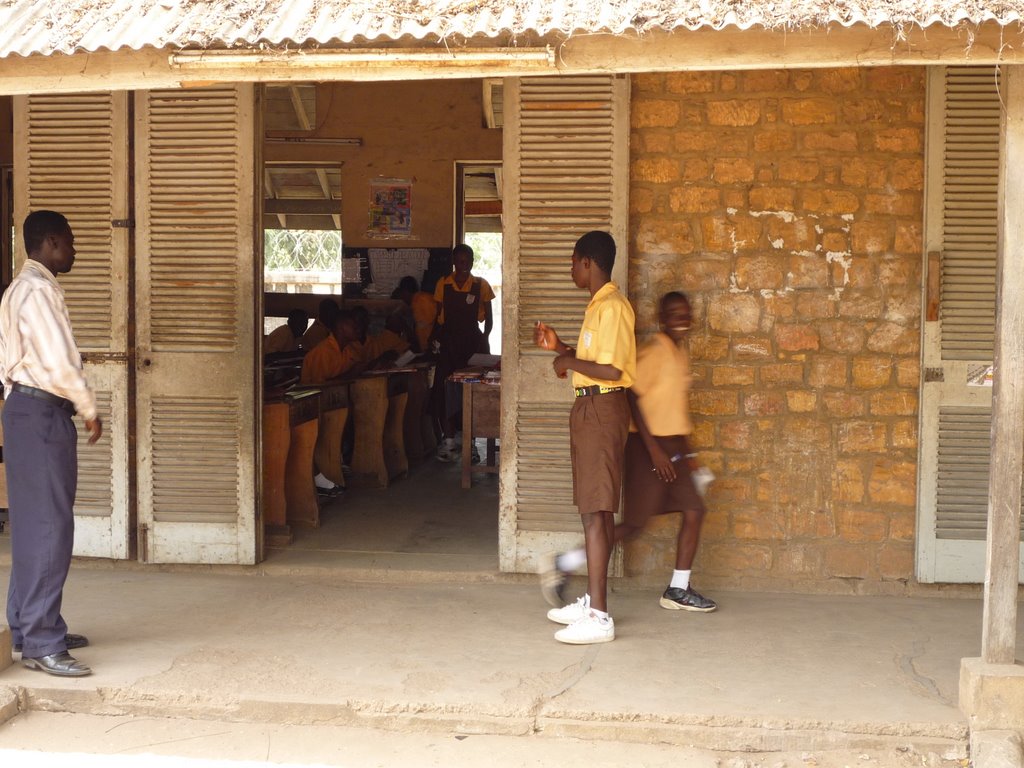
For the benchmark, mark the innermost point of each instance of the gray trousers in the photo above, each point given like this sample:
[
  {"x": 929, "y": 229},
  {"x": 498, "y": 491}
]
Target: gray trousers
[{"x": 41, "y": 459}]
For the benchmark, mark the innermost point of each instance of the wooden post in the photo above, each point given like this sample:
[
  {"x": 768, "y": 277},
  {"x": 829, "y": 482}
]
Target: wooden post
[{"x": 999, "y": 623}]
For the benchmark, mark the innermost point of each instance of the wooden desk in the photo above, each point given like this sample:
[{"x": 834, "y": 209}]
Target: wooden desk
[
  {"x": 378, "y": 407},
  {"x": 420, "y": 441},
  {"x": 481, "y": 417},
  {"x": 300, "y": 492},
  {"x": 276, "y": 439}
]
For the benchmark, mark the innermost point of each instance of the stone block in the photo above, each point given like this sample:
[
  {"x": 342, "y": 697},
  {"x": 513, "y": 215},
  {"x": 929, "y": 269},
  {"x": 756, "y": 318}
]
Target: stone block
[
  {"x": 861, "y": 525},
  {"x": 829, "y": 371},
  {"x": 863, "y": 110},
  {"x": 772, "y": 198},
  {"x": 992, "y": 695},
  {"x": 908, "y": 238},
  {"x": 797, "y": 235},
  {"x": 653, "y": 142},
  {"x": 893, "y": 482},
  {"x": 894, "y": 403},
  {"x": 861, "y": 303},
  {"x": 895, "y": 80},
  {"x": 896, "y": 559},
  {"x": 694, "y": 141},
  {"x": 996, "y": 749},
  {"x": 686, "y": 83},
  {"x": 848, "y": 481},
  {"x": 809, "y": 523},
  {"x": 735, "y": 435},
  {"x": 808, "y": 271},
  {"x": 893, "y": 204},
  {"x": 804, "y": 435},
  {"x": 904, "y": 434},
  {"x": 799, "y": 169},
  {"x": 810, "y": 111},
  {"x": 657, "y": 170},
  {"x": 835, "y": 242},
  {"x": 871, "y": 372},
  {"x": 899, "y": 139},
  {"x": 843, "y": 337},
  {"x": 667, "y": 235},
  {"x": 758, "y": 272},
  {"x": 844, "y": 404},
  {"x": 711, "y": 348},
  {"x": 703, "y": 435},
  {"x": 908, "y": 372},
  {"x": 732, "y": 375},
  {"x": 707, "y": 402},
  {"x": 781, "y": 374},
  {"x": 900, "y": 270},
  {"x": 751, "y": 348},
  {"x": 815, "y": 305},
  {"x": 641, "y": 200},
  {"x": 833, "y": 202},
  {"x": 764, "y": 403},
  {"x": 735, "y": 313},
  {"x": 871, "y": 236},
  {"x": 862, "y": 437},
  {"x": 801, "y": 401},
  {"x": 849, "y": 561},
  {"x": 695, "y": 199},
  {"x": 732, "y": 557},
  {"x": 695, "y": 169},
  {"x": 734, "y": 112},
  {"x": 774, "y": 141},
  {"x": 732, "y": 234},
  {"x": 903, "y": 305},
  {"x": 830, "y": 141},
  {"x": 764, "y": 80},
  {"x": 653, "y": 113},
  {"x": 839, "y": 80},
  {"x": 908, "y": 174},
  {"x": 795, "y": 337},
  {"x": 731, "y": 170},
  {"x": 757, "y": 523}
]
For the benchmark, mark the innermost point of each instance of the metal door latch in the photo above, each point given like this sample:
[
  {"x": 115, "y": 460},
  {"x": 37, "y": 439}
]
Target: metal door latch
[{"x": 934, "y": 374}]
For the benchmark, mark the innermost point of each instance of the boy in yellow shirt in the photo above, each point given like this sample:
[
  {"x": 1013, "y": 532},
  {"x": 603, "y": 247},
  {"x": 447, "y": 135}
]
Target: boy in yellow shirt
[
  {"x": 603, "y": 365},
  {"x": 658, "y": 475}
]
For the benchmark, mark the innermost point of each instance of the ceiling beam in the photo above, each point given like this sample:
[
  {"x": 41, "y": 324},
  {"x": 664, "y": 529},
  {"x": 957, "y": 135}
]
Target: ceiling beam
[{"x": 704, "y": 49}]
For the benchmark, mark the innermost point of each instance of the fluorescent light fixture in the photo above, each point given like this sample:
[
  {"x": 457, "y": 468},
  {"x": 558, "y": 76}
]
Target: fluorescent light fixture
[{"x": 442, "y": 58}]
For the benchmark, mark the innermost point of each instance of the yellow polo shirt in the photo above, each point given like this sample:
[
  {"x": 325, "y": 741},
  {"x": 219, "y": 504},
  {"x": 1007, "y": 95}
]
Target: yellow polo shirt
[
  {"x": 385, "y": 341},
  {"x": 662, "y": 387},
  {"x": 608, "y": 337},
  {"x": 327, "y": 361},
  {"x": 486, "y": 294}
]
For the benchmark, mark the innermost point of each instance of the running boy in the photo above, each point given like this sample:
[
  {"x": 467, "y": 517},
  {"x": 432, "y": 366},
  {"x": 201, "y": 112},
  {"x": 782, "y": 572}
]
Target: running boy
[
  {"x": 603, "y": 365},
  {"x": 657, "y": 473}
]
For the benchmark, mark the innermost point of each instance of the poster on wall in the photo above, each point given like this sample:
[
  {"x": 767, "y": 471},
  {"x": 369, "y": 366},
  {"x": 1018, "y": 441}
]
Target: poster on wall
[{"x": 390, "y": 208}]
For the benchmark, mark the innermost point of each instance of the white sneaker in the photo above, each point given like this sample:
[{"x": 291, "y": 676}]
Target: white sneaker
[
  {"x": 449, "y": 450},
  {"x": 570, "y": 613},
  {"x": 587, "y": 631}
]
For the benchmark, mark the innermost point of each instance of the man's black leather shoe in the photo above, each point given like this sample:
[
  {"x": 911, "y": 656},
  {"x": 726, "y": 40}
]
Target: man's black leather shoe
[
  {"x": 72, "y": 641},
  {"x": 61, "y": 664}
]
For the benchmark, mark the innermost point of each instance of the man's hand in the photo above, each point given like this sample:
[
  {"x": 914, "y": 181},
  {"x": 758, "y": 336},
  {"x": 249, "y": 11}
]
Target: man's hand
[
  {"x": 545, "y": 337},
  {"x": 561, "y": 364},
  {"x": 95, "y": 427}
]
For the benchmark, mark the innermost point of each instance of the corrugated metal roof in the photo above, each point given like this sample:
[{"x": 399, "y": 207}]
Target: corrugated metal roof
[{"x": 69, "y": 26}]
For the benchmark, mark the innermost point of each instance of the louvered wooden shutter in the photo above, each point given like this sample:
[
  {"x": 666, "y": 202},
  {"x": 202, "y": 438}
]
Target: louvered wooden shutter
[
  {"x": 566, "y": 166},
  {"x": 71, "y": 155},
  {"x": 970, "y": 189},
  {"x": 196, "y": 273}
]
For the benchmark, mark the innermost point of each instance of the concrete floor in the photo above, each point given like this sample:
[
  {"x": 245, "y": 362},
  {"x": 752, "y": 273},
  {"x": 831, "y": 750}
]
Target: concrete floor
[{"x": 357, "y": 624}]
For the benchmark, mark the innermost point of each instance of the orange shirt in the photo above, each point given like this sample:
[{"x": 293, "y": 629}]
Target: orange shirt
[
  {"x": 424, "y": 313},
  {"x": 280, "y": 340},
  {"x": 327, "y": 361},
  {"x": 662, "y": 386},
  {"x": 607, "y": 337},
  {"x": 385, "y": 341}
]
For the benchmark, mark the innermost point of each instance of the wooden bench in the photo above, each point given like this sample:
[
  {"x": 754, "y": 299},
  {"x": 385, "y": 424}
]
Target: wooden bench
[
  {"x": 334, "y": 408},
  {"x": 299, "y": 490},
  {"x": 378, "y": 408}
]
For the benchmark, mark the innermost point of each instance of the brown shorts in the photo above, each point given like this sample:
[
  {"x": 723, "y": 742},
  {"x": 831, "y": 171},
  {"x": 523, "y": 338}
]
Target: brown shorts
[
  {"x": 598, "y": 425},
  {"x": 646, "y": 493}
]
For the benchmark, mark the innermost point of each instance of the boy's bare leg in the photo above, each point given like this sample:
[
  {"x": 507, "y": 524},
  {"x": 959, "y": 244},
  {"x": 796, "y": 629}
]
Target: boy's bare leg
[
  {"x": 598, "y": 529},
  {"x": 689, "y": 538}
]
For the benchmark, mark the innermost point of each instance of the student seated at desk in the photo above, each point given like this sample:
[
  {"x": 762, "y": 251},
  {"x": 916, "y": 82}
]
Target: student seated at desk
[
  {"x": 406, "y": 290},
  {"x": 390, "y": 342},
  {"x": 287, "y": 337},
  {"x": 321, "y": 327},
  {"x": 424, "y": 310},
  {"x": 337, "y": 355}
]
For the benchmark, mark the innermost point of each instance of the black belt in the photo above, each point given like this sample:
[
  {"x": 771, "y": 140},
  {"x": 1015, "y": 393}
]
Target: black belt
[
  {"x": 596, "y": 389},
  {"x": 46, "y": 397}
]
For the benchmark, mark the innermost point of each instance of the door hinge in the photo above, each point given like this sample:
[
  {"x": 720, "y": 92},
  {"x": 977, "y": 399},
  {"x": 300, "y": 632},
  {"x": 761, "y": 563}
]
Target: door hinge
[
  {"x": 123, "y": 223},
  {"x": 934, "y": 374}
]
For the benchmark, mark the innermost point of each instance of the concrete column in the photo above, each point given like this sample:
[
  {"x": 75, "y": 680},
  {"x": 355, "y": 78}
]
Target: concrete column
[{"x": 999, "y": 624}]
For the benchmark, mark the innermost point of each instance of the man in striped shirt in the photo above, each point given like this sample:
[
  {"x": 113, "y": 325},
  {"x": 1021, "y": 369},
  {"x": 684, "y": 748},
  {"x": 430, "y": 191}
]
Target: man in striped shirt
[{"x": 44, "y": 387}]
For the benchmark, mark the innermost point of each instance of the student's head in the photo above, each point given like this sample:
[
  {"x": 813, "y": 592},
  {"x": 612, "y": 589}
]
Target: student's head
[
  {"x": 327, "y": 312},
  {"x": 345, "y": 327},
  {"x": 362, "y": 317},
  {"x": 407, "y": 286},
  {"x": 49, "y": 240},
  {"x": 594, "y": 249},
  {"x": 298, "y": 319},
  {"x": 462, "y": 261},
  {"x": 430, "y": 278},
  {"x": 674, "y": 315}
]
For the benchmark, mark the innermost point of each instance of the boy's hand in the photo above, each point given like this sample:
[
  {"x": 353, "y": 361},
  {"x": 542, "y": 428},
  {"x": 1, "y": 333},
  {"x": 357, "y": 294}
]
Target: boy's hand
[
  {"x": 662, "y": 464},
  {"x": 561, "y": 365},
  {"x": 545, "y": 337}
]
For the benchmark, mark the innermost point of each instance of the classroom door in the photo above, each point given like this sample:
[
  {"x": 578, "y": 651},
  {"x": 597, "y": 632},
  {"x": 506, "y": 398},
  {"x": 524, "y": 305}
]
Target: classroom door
[
  {"x": 956, "y": 403},
  {"x": 71, "y": 156},
  {"x": 195, "y": 313},
  {"x": 566, "y": 156}
]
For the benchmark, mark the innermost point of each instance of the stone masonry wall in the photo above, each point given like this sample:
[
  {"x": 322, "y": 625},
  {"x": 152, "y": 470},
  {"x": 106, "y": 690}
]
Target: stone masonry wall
[{"x": 788, "y": 205}]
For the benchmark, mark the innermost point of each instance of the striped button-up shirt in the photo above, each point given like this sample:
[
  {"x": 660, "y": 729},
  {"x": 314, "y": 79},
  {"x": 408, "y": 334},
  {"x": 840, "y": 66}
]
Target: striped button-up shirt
[{"x": 37, "y": 347}]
